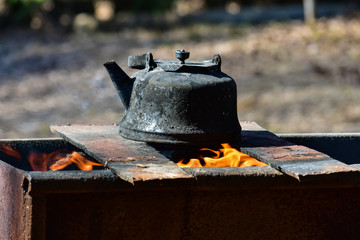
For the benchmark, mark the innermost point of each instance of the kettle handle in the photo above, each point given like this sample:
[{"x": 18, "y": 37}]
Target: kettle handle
[
  {"x": 141, "y": 61},
  {"x": 217, "y": 60}
]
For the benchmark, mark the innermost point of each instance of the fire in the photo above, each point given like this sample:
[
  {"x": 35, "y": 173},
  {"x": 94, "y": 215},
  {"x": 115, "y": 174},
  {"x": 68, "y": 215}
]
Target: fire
[
  {"x": 54, "y": 161},
  {"x": 11, "y": 152},
  {"x": 224, "y": 157},
  {"x": 82, "y": 163}
]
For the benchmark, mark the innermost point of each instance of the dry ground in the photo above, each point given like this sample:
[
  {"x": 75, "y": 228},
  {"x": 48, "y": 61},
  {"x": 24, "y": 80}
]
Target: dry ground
[{"x": 290, "y": 78}]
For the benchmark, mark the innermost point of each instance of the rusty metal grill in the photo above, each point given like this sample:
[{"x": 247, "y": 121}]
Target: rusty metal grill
[
  {"x": 303, "y": 194},
  {"x": 137, "y": 161}
]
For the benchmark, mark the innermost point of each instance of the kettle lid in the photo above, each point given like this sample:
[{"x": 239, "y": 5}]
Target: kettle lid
[{"x": 171, "y": 65}]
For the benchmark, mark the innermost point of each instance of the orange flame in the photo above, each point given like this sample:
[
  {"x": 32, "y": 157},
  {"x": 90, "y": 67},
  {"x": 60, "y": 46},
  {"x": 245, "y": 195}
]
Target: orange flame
[
  {"x": 10, "y": 152},
  {"x": 58, "y": 160},
  {"x": 54, "y": 161},
  {"x": 83, "y": 163},
  {"x": 225, "y": 157}
]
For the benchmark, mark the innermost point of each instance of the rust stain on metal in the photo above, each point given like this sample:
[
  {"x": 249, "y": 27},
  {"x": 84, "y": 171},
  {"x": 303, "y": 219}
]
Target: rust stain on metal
[
  {"x": 12, "y": 210},
  {"x": 130, "y": 160},
  {"x": 292, "y": 153},
  {"x": 148, "y": 172},
  {"x": 324, "y": 168},
  {"x": 136, "y": 161},
  {"x": 294, "y": 160}
]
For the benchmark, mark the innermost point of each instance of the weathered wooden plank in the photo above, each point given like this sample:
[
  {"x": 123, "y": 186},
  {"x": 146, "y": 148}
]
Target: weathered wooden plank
[{"x": 130, "y": 160}]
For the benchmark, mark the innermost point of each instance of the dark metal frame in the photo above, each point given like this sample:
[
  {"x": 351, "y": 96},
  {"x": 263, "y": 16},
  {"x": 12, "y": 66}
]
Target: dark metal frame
[{"x": 216, "y": 203}]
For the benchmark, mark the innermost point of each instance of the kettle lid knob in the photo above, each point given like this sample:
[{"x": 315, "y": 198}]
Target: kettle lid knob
[{"x": 182, "y": 55}]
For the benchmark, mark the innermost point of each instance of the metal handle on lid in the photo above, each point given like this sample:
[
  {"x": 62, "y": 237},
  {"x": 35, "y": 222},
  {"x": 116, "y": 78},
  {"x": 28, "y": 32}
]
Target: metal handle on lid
[{"x": 182, "y": 55}]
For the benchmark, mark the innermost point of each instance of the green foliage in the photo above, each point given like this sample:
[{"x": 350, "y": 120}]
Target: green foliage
[
  {"x": 21, "y": 10},
  {"x": 24, "y": 1}
]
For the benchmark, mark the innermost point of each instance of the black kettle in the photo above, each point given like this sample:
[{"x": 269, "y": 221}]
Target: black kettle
[{"x": 177, "y": 101}]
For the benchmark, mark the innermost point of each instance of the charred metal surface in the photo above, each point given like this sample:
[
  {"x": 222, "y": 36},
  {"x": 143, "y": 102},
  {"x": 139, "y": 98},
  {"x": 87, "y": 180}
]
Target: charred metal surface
[
  {"x": 218, "y": 203},
  {"x": 74, "y": 181},
  {"x": 227, "y": 177},
  {"x": 177, "y": 102},
  {"x": 295, "y": 160},
  {"x": 11, "y": 203},
  {"x": 182, "y": 108},
  {"x": 130, "y": 160},
  {"x": 231, "y": 171},
  {"x": 146, "y": 60},
  {"x": 24, "y": 146},
  {"x": 341, "y": 146},
  {"x": 136, "y": 161},
  {"x": 183, "y": 213}
]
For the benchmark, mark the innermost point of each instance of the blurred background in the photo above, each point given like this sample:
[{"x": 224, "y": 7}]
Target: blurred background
[{"x": 296, "y": 62}]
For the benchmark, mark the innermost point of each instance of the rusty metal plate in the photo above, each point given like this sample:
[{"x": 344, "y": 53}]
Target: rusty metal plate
[
  {"x": 130, "y": 160},
  {"x": 297, "y": 161},
  {"x": 12, "y": 209},
  {"x": 136, "y": 161}
]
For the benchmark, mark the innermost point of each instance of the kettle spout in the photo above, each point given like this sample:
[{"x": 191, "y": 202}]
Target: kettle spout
[{"x": 122, "y": 82}]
